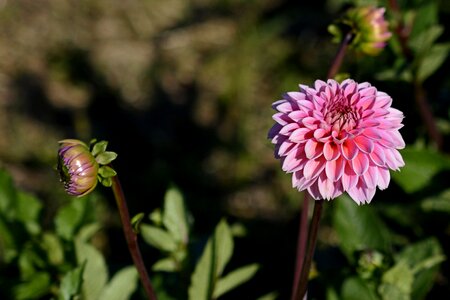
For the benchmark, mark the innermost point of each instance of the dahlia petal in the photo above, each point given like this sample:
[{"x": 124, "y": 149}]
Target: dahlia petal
[
  {"x": 371, "y": 177},
  {"x": 364, "y": 144},
  {"x": 371, "y": 133},
  {"x": 314, "y": 191},
  {"x": 313, "y": 149},
  {"x": 349, "y": 149},
  {"x": 300, "y": 182},
  {"x": 349, "y": 179},
  {"x": 297, "y": 115},
  {"x": 285, "y": 148},
  {"x": 377, "y": 156},
  {"x": 289, "y": 128},
  {"x": 383, "y": 178},
  {"x": 368, "y": 91},
  {"x": 292, "y": 162},
  {"x": 326, "y": 187},
  {"x": 297, "y": 96},
  {"x": 330, "y": 151},
  {"x": 397, "y": 139},
  {"x": 300, "y": 134},
  {"x": 322, "y": 135},
  {"x": 313, "y": 168},
  {"x": 383, "y": 100},
  {"x": 360, "y": 163},
  {"x": 274, "y": 131},
  {"x": 285, "y": 107},
  {"x": 366, "y": 102},
  {"x": 393, "y": 159},
  {"x": 306, "y": 105},
  {"x": 334, "y": 169},
  {"x": 350, "y": 88},
  {"x": 281, "y": 118},
  {"x": 310, "y": 122},
  {"x": 318, "y": 84}
]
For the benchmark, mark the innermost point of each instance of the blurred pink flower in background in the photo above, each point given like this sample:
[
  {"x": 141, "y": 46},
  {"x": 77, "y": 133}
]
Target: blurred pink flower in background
[{"x": 337, "y": 138}]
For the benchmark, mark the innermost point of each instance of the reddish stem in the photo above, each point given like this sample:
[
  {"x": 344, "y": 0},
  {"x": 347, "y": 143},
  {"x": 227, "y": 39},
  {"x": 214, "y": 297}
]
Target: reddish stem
[
  {"x": 337, "y": 61},
  {"x": 131, "y": 238}
]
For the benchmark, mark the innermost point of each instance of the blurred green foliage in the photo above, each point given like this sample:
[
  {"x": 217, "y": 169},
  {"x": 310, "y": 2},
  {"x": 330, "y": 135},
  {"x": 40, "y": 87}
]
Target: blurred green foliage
[{"x": 182, "y": 90}]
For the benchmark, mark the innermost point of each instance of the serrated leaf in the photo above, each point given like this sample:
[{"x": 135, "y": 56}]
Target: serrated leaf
[
  {"x": 99, "y": 148},
  {"x": 121, "y": 286},
  {"x": 432, "y": 60},
  {"x": 34, "y": 288},
  {"x": 359, "y": 227},
  {"x": 354, "y": 288},
  {"x": 174, "y": 216},
  {"x": 234, "y": 279},
  {"x": 71, "y": 283},
  {"x": 397, "y": 282},
  {"x": 158, "y": 238},
  {"x": 106, "y": 157},
  {"x": 217, "y": 253},
  {"x": 107, "y": 171},
  {"x": 95, "y": 274},
  {"x": 420, "y": 167},
  {"x": 165, "y": 265}
]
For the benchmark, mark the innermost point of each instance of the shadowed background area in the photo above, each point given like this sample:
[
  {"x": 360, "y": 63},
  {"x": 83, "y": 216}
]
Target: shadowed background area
[{"x": 182, "y": 90}]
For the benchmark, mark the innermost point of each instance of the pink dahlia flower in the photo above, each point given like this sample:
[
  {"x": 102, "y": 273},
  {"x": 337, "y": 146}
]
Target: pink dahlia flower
[{"x": 337, "y": 138}]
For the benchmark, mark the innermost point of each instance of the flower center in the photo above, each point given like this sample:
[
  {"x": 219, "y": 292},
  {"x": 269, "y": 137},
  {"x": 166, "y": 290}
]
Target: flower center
[{"x": 341, "y": 116}]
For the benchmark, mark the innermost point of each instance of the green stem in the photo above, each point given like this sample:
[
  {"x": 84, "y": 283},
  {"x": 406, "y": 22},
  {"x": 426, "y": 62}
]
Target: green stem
[
  {"x": 303, "y": 282},
  {"x": 301, "y": 243},
  {"x": 131, "y": 238}
]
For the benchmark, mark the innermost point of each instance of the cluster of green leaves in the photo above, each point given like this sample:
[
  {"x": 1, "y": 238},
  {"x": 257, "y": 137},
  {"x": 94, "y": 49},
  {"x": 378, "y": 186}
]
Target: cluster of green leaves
[
  {"x": 386, "y": 264},
  {"x": 58, "y": 262},
  {"x": 103, "y": 158},
  {"x": 423, "y": 54},
  {"x": 170, "y": 233}
]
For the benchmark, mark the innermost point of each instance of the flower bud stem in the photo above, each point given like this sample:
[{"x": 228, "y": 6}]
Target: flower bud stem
[
  {"x": 337, "y": 61},
  {"x": 131, "y": 238},
  {"x": 313, "y": 229},
  {"x": 301, "y": 244}
]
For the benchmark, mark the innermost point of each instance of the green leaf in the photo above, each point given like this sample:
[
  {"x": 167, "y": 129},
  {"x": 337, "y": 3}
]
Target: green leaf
[
  {"x": 359, "y": 227},
  {"x": 217, "y": 253},
  {"x": 158, "y": 238},
  {"x": 156, "y": 217},
  {"x": 99, "y": 147},
  {"x": 27, "y": 211},
  {"x": 423, "y": 41},
  {"x": 165, "y": 265},
  {"x": 425, "y": 17},
  {"x": 121, "y": 286},
  {"x": 7, "y": 243},
  {"x": 52, "y": 245},
  {"x": 269, "y": 296},
  {"x": 95, "y": 274},
  {"x": 7, "y": 195},
  {"x": 71, "y": 283},
  {"x": 106, "y": 172},
  {"x": 106, "y": 157},
  {"x": 432, "y": 60},
  {"x": 397, "y": 282},
  {"x": 439, "y": 203},
  {"x": 136, "y": 221},
  {"x": 423, "y": 259},
  {"x": 234, "y": 278},
  {"x": 69, "y": 218},
  {"x": 174, "y": 216},
  {"x": 34, "y": 288},
  {"x": 106, "y": 181},
  {"x": 354, "y": 288},
  {"x": 420, "y": 167}
]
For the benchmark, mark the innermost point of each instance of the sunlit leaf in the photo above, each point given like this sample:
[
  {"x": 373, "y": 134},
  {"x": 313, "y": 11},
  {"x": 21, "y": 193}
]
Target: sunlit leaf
[
  {"x": 69, "y": 218},
  {"x": 95, "y": 274},
  {"x": 71, "y": 283},
  {"x": 27, "y": 211},
  {"x": 432, "y": 60},
  {"x": 354, "y": 288},
  {"x": 165, "y": 265},
  {"x": 397, "y": 282},
  {"x": 121, "y": 286},
  {"x": 216, "y": 255},
  {"x": 158, "y": 238},
  {"x": 174, "y": 215},
  {"x": 234, "y": 278}
]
